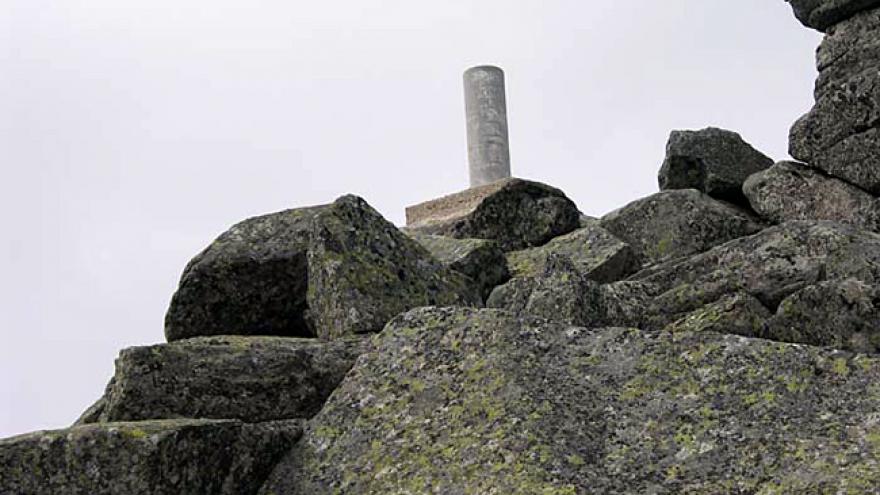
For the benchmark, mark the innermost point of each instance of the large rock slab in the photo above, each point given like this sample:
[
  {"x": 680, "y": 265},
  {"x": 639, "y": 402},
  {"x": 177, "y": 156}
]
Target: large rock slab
[
  {"x": 464, "y": 401},
  {"x": 822, "y": 14},
  {"x": 769, "y": 266},
  {"x": 840, "y": 134},
  {"x": 331, "y": 270},
  {"x": 596, "y": 253},
  {"x": 844, "y": 314},
  {"x": 481, "y": 260},
  {"x": 168, "y": 457},
  {"x": 676, "y": 223},
  {"x": 792, "y": 191},
  {"x": 714, "y": 161},
  {"x": 253, "y": 379},
  {"x": 516, "y": 213}
]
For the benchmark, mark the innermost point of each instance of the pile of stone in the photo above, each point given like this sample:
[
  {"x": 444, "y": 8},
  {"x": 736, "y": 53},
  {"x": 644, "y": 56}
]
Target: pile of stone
[{"x": 720, "y": 336}]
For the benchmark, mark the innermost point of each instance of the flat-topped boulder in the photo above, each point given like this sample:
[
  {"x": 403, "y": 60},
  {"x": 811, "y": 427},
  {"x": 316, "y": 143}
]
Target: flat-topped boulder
[
  {"x": 481, "y": 260},
  {"x": 463, "y": 401},
  {"x": 677, "y": 223},
  {"x": 596, "y": 254},
  {"x": 841, "y": 133},
  {"x": 714, "y": 161},
  {"x": 514, "y": 212},
  {"x": 823, "y": 14},
  {"x": 252, "y": 379},
  {"x": 169, "y": 457},
  {"x": 329, "y": 271},
  {"x": 793, "y": 191}
]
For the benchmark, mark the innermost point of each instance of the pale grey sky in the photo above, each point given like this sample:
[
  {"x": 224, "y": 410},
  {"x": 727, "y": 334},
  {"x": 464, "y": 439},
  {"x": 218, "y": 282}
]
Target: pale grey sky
[{"x": 135, "y": 131}]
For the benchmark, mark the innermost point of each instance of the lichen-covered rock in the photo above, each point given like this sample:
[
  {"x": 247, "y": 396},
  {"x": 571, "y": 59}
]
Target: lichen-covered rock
[
  {"x": 464, "y": 401},
  {"x": 363, "y": 271},
  {"x": 516, "y": 213},
  {"x": 738, "y": 314},
  {"x": 841, "y": 134},
  {"x": 481, "y": 260},
  {"x": 843, "y": 314},
  {"x": 769, "y": 266},
  {"x": 822, "y": 14},
  {"x": 714, "y": 161},
  {"x": 561, "y": 293},
  {"x": 792, "y": 191},
  {"x": 251, "y": 280},
  {"x": 253, "y": 379},
  {"x": 676, "y": 223},
  {"x": 329, "y": 270},
  {"x": 167, "y": 457},
  {"x": 596, "y": 254}
]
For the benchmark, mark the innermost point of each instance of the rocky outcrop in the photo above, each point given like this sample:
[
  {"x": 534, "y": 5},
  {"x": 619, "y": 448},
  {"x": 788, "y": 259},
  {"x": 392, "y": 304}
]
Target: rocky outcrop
[
  {"x": 677, "y": 223},
  {"x": 844, "y": 314},
  {"x": 516, "y": 213},
  {"x": 596, "y": 254},
  {"x": 145, "y": 458},
  {"x": 481, "y": 260},
  {"x": 253, "y": 379},
  {"x": 457, "y": 401},
  {"x": 793, "y": 191},
  {"x": 841, "y": 134},
  {"x": 713, "y": 161},
  {"x": 822, "y": 14},
  {"x": 331, "y": 270}
]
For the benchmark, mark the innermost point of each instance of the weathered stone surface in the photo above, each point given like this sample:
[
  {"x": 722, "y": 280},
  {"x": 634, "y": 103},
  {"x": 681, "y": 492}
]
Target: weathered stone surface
[
  {"x": 363, "y": 271},
  {"x": 168, "y": 457},
  {"x": 738, "y": 314},
  {"x": 596, "y": 253},
  {"x": 251, "y": 280},
  {"x": 481, "y": 260},
  {"x": 560, "y": 293},
  {"x": 514, "y": 212},
  {"x": 840, "y": 134},
  {"x": 822, "y": 14},
  {"x": 843, "y": 314},
  {"x": 769, "y": 266},
  {"x": 329, "y": 271},
  {"x": 792, "y": 191},
  {"x": 714, "y": 161},
  {"x": 464, "y": 401},
  {"x": 677, "y": 223},
  {"x": 253, "y": 379}
]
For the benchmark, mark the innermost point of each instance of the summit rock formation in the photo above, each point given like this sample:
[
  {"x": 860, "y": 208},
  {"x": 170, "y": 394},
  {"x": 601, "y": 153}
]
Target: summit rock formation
[{"x": 719, "y": 336}]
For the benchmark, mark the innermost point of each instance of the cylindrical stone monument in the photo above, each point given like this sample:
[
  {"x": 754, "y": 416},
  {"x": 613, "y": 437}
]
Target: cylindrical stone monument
[{"x": 486, "y": 108}]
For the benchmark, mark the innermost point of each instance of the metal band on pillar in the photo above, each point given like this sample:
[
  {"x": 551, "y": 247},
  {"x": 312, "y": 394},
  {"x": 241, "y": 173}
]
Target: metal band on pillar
[{"x": 486, "y": 108}]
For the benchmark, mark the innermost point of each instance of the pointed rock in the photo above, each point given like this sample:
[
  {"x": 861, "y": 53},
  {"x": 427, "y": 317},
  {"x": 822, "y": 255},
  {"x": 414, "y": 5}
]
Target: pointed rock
[
  {"x": 330, "y": 270},
  {"x": 560, "y": 293},
  {"x": 792, "y": 191},
  {"x": 713, "y": 161},
  {"x": 677, "y": 223}
]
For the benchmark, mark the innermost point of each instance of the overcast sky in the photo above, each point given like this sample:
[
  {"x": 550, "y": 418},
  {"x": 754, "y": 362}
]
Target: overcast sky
[{"x": 133, "y": 132}]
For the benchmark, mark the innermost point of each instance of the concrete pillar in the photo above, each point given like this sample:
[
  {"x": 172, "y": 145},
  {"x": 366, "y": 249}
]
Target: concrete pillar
[{"x": 486, "y": 108}]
